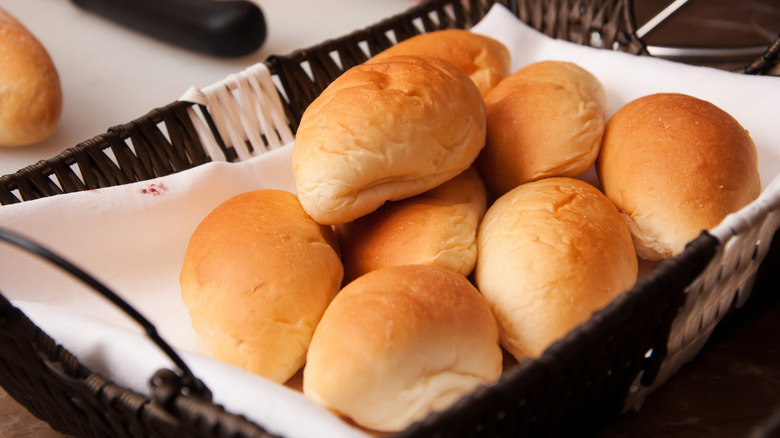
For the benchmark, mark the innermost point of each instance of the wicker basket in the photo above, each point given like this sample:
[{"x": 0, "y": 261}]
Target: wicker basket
[{"x": 642, "y": 337}]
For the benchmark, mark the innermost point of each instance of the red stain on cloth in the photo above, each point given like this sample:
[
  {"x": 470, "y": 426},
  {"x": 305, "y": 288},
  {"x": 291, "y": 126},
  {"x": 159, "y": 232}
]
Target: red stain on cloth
[{"x": 154, "y": 189}]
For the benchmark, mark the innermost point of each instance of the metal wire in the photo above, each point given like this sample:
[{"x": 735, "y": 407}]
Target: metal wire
[{"x": 193, "y": 384}]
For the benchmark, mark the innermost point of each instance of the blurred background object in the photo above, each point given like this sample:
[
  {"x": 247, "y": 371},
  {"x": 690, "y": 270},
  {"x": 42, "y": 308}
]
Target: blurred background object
[
  {"x": 220, "y": 28},
  {"x": 727, "y": 34},
  {"x": 30, "y": 92},
  {"x": 111, "y": 74}
]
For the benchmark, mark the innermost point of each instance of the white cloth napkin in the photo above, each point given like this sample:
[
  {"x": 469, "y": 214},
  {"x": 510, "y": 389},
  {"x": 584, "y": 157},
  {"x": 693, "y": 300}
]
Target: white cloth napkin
[{"x": 133, "y": 237}]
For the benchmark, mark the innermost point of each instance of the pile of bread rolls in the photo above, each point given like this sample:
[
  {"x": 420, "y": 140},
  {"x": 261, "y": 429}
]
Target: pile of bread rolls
[
  {"x": 30, "y": 93},
  {"x": 438, "y": 223}
]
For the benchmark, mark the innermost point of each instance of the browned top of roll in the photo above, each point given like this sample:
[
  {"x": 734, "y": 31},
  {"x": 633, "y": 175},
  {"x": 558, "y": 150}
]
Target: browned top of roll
[
  {"x": 257, "y": 276},
  {"x": 550, "y": 253},
  {"x": 676, "y": 165},
  {"x": 484, "y": 59},
  {"x": 544, "y": 120},
  {"x": 399, "y": 342},
  {"x": 435, "y": 228},
  {"x": 385, "y": 131}
]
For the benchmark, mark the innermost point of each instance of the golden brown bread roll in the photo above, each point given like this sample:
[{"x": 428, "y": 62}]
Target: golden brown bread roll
[
  {"x": 30, "y": 93},
  {"x": 400, "y": 342},
  {"x": 435, "y": 228},
  {"x": 257, "y": 276},
  {"x": 550, "y": 253},
  {"x": 676, "y": 165},
  {"x": 486, "y": 60},
  {"x": 546, "y": 119},
  {"x": 385, "y": 131}
]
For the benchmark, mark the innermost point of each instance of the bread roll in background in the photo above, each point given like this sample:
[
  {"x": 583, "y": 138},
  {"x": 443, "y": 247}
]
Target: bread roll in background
[
  {"x": 434, "y": 228},
  {"x": 486, "y": 60},
  {"x": 30, "y": 93},
  {"x": 550, "y": 253},
  {"x": 676, "y": 165},
  {"x": 400, "y": 342},
  {"x": 385, "y": 131},
  {"x": 257, "y": 276},
  {"x": 546, "y": 119}
]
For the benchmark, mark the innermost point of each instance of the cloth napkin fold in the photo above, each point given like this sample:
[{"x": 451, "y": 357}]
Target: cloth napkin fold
[{"x": 133, "y": 237}]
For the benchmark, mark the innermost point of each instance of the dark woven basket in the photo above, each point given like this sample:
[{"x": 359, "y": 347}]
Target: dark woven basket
[{"x": 568, "y": 391}]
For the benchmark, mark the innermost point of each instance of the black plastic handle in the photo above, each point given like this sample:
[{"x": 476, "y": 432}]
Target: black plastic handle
[{"x": 225, "y": 28}]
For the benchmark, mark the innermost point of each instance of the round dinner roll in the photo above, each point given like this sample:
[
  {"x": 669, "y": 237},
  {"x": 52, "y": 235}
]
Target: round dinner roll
[
  {"x": 385, "y": 131},
  {"x": 434, "y": 228},
  {"x": 546, "y": 119},
  {"x": 30, "y": 93},
  {"x": 487, "y": 61},
  {"x": 550, "y": 253},
  {"x": 257, "y": 276},
  {"x": 399, "y": 343},
  {"x": 676, "y": 165}
]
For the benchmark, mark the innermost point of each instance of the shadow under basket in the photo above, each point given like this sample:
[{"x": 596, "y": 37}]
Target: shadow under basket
[{"x": 602, "y": 368}]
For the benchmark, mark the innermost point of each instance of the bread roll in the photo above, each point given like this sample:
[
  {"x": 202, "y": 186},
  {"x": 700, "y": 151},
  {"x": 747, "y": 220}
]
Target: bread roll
[
  {"x": 547, "y": 119},
  {"x": 400, "y": 342},
  {"x": 435, "y": 228},
  {"x": 676, "y": 165},
  {"x": 550, "y": 253},
  {"x": 30, "y": 93},
  {"x": 486, "y": 60},
  {"x": 385, "y": 131},
  {"x": 257, "y": 276}
]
